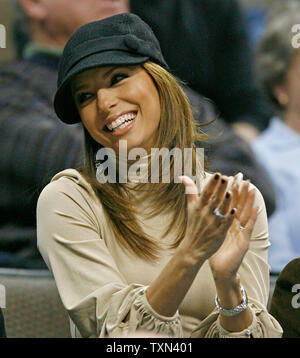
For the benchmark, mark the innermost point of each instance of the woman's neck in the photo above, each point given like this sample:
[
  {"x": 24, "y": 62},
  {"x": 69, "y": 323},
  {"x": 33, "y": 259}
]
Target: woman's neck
[{"x": 292, "y": 120}]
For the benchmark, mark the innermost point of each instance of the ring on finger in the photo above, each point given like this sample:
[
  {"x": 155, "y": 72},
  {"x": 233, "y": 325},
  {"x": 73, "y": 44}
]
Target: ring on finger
[
  {"x": 242, "y": 228},
  {"x": 218, "y": 214}
]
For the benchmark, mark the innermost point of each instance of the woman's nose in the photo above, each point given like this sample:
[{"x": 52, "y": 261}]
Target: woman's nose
[{"x": 106, "y": 100}]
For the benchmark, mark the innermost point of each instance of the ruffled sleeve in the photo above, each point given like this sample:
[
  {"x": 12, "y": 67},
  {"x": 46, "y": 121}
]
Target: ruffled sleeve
[
  {"x": 99, "y": 301},
  {"x": 112, "y": 322},
  {"x": 262, "y": 326},
  {"x": 142, "y": 317}
]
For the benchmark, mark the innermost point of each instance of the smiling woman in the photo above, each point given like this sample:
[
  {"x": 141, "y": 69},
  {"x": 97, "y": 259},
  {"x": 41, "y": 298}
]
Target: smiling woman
[
  {"x": 118, "y": 102},
  {"x": 155, "y": 257}
]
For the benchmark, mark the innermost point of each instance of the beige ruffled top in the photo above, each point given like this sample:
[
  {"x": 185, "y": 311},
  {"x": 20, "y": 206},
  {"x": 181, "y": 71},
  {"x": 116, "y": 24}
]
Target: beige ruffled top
[{"x": 100, "y": 283}]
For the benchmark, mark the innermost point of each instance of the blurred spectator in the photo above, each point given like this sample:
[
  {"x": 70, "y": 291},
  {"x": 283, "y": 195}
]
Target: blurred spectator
[
  {"x": 36, "y": 145},
  {"x": 278, "y": 148},
  {"x": 205, "y": 43}
]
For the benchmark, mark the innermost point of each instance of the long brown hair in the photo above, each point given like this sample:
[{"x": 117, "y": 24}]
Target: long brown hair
[{"x": 176, "y": 129}]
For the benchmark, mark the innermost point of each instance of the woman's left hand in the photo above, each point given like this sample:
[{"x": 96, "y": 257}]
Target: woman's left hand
[{"x": 227, "y": 260}]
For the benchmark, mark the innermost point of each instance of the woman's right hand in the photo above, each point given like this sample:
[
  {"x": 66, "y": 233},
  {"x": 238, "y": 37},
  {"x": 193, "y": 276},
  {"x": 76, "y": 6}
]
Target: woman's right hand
[
  {"x": 206, "y": 231},
  {"x": 204, "y": 235}
]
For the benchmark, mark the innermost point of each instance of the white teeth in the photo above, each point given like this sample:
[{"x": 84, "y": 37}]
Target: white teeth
[{"x": 120, "y": 121}]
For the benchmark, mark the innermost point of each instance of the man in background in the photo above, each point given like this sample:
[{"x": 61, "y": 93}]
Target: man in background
[
  {"x": 34, "y": 144},
  {"x": 206, "y": 44}
]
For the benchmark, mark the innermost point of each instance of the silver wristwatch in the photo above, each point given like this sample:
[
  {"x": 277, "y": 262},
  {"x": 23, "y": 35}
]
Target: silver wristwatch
[{"x": 236, "y": 310}]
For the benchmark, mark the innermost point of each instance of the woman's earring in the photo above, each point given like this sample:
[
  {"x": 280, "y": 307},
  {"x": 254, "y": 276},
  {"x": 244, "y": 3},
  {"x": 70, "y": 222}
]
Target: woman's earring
[{"x": 283, "y": 99}]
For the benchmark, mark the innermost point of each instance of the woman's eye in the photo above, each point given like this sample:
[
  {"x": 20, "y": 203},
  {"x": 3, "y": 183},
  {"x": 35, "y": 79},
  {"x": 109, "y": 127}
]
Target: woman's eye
[
  {"x": 117, "y": 78},
  {"x": 83, "y": 97}
]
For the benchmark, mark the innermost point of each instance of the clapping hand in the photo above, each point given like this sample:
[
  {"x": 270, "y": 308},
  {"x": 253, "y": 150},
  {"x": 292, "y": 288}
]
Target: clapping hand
[
  {"x": 220, "y": 236},
  {"x": 227, "y": 260}
]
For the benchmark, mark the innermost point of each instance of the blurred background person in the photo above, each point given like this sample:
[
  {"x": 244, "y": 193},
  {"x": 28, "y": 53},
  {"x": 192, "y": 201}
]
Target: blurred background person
[
  {"x": 278, "y": 147},
  {"x": 35, "y": 145},
  {"x": 206, "y": 44}
]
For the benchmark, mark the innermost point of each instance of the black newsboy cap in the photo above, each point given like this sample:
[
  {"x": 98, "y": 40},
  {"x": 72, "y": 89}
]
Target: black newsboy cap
[{"x": 122, "y": 39}]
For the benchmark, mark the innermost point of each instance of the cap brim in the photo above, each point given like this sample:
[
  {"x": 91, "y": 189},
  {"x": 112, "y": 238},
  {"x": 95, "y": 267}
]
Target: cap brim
[{"x": 63, "y": 102}]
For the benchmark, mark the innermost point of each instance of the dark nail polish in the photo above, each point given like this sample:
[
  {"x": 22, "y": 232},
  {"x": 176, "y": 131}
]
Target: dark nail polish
[
  {"x": 232, "y": 212},
  {"x": 217, "y": 176},
  {"x": 223, "y": 181},
  {"x": 227, "y": 195}
]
